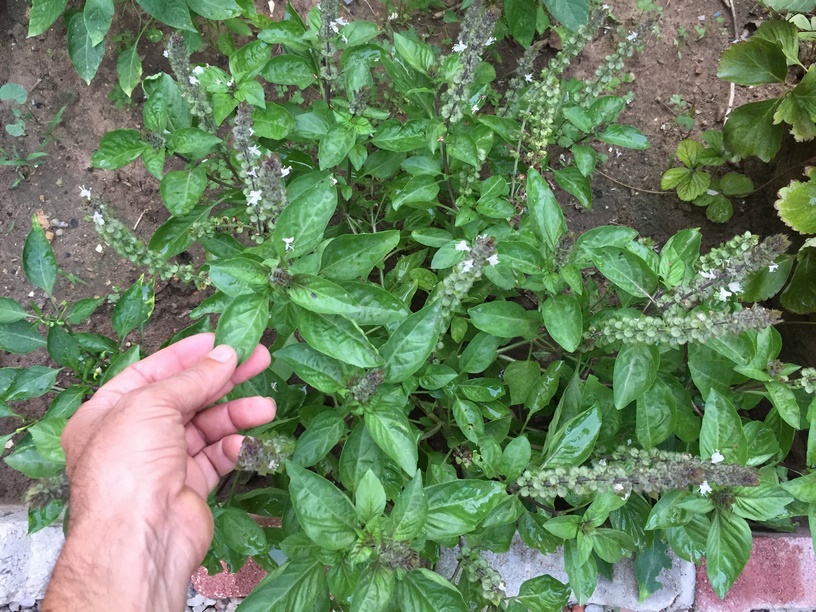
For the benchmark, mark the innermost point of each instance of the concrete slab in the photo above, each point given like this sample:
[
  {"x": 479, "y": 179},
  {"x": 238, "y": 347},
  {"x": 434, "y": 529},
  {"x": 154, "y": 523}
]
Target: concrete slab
[
  {"x": 778, "y": 576},
  {"x": 25, "y": 562},
  {"x": 521, "y": 563}
]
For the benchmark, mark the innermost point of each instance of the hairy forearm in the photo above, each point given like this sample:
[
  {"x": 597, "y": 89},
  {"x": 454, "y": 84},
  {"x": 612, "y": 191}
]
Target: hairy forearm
[{"x": 115, "y": 564}]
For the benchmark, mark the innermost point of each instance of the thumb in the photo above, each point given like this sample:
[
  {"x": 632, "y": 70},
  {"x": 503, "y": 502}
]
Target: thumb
[{"x": 194, "y": 388}]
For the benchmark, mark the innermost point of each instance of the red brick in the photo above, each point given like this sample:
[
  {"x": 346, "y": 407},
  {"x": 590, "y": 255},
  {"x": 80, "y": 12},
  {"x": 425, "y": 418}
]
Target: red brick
[
  {"x": 780, "y": 573},
  {"x": 225, "y": 584}
]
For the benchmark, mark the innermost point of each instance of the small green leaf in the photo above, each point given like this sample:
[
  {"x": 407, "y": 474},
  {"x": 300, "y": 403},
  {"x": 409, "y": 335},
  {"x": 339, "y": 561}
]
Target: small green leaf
[
  {"x": 11, "y": 311},
  {"x": 134, "y": 308},
  {"x": 575, "y": 183},
  {"x": 425, "y": 591},
  {"x": 323, "y": 433},
  {"x": 334, "y": 146},
  {"x": 313, "y": 199},
  {"x": 31, "y": 382},
  {"x": 545, "y": 213},
  {"x": 795, "y": 206},
  {"x": 369, "y": 497},
  {"x": 722, "y": 430},
  {"x": 240, "y": 532},
  {"x": 655, "y": 414},
  {"x": 129, "y": 69},
  {"x": 648, "y": 565},
  {"x": 192, "y": 142},
  {"x": 171, "y": 12},
  {"x": 416, "y": 54},
  {"x": 314, "y": 368},
  {"x": 215, "y": 9},
  {"x": 39, "y": 263},
  {"x": 626, "y": 270},
  {"x": 287, "y": 69},
  {"x": 273, "y": 122},
  {"x": 625, "y": 136},
  {"x": 374, "y": 589},
  {"x": 571, "y": 13},
  {"x": 98, "y": 16},
  {"x": 504, "y": 319},
  {"x": 750, "y": 130},
  {"x": 85, "y": 55},
  {"x": 354, "y": 255},
  {"x": 410, "y": 510},
  {"x": 338, "y": 337},
  {"x": 392, "y": 432},
  {"x": 117, "y": 149}
]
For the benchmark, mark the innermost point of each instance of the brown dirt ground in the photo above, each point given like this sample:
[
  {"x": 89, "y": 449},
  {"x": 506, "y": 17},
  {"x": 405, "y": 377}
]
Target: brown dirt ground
[{"x": 629, "y": 196}]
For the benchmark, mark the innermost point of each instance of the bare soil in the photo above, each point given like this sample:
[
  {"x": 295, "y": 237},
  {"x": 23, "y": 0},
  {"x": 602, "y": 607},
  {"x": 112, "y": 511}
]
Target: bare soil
[{"x": 627, "y": 193}]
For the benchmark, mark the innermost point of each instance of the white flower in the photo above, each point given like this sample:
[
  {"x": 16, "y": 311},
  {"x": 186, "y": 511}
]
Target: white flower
[
  {"x": 605, "y": 7},
  {"x": 84, "y": 192},
  {"x": 337, "y": 24},
  {"x": 166, "y": 53},
  {"x": 198, "y": 70},
  {"x": 717, "y": 457},
  {"x": 274, "y": 386},
  {"x": 705, "y": 488},
  {"x": 489, "y": 41},
  {"x": 254, "y": 197},
  {"x": 393, "y": 15},
  {"x": 251, "y": 131},
  {"x": 333, "y": 180},
  {"x": 230, "y": 83},
  {"x": 251, "y": 172},
  {"x": 289, "y": 244},
  {"x": 528, "y": 77},
  {"x": 735, "y": 287},
  {"x": 493, "y": 259},
  {"x": 618, "y": 488},
  {"x": 708, "y": 275},
  {"x": 462, "y": 245},
  {"x": 254, "y": 151},
  {"x": 98, "y": 219},
  {"x": 474, "y": 108},
  {"x": 724, "y": 294},
  {"x": 193, "y": 80},
  {"x": 712, "y": 192},
  {"x": 467, "y": 265},
  {"x": 773, "y": 267},
  {"x": 285, "y": 170},
  {"x": 344, "y": 38},
  {"x": 632, "y": 36},
  {"x": 459, "y": 47}
]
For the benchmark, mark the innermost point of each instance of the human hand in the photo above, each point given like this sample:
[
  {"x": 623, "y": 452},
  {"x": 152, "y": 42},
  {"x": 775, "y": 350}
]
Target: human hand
[{"x": 142, "y": 455}]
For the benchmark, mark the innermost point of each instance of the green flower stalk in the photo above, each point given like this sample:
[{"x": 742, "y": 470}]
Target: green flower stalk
[
  {"x": 632, "y": 470},
  {"x": 491, "y": 585},
  {"x": 363, "y": 388},
  {"x": 573, "y": 42},
  {"x": 724, "y": 270},
  {"x": 47, "y": 490},
  {"x": 677, "y": 326},
  {"x": 456, "y": 285},
  {"x": 187, "y": 81},
  {"x": 263, "y": 180},
  {"x": 475, "y": 35},
  {"x": 606, "y": 75},
  {"x": 540, "y": 114},
  {"x": 123, "y": 241},
  {"x": 265, "y": 455},
  {"x": 329, "y": 28},
  {"x": 807, "y": 380}
]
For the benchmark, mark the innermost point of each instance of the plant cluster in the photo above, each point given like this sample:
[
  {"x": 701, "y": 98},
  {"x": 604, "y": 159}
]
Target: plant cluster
[{"x": 451, "y": 365}]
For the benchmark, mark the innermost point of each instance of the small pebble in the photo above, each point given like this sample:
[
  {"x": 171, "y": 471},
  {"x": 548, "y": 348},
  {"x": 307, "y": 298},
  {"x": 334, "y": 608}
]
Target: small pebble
[{"x": 60, "y": 232}]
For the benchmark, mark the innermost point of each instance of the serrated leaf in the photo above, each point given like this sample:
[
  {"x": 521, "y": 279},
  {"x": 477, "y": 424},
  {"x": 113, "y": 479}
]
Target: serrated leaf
[{"x": 750, "y": 130}]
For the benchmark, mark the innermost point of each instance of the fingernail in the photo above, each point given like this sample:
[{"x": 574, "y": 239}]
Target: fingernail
[{"x": 222, "y": 353}]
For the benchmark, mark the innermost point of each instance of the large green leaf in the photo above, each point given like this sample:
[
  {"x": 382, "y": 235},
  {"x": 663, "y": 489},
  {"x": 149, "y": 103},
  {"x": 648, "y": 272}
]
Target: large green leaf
[
  {"x": 171, "y": 12},
  {"x": 626, "y": 270},
  {"x": 753, "y": 62},
  {"x": 544, "y": 212},
  {"x": 750, "y": 130},
  {"x": 39, "y": 262},
  {"x": 425, "y": 591},
  {"x": 85, "y": 55},
  {"x": 273, "y": 122},
  {"x": 296, "y": 585},
  {"x": 182, "y": 189},
  {"x": 411, "y": 343},
  {"x": 572, "y": 181},
  {"x": 563, "y": 320},
  {"x": 374, "y": 589},
  {"x": 31, "y": 382},
  {"x": 326, "y": 515},
  {"x": 655, "y": 414},
  {"x": 416, "y": 54},
  {"x": 457, "y": 507},
  {"x": 338, "y": 337},
  {"x": 289, "y": 69},
  {"x": 648, "y": 566},
  {"x": 722, "y": 430},
  {"x": 410, "y": 511},
  {"x": 134, "y": 308},
  {"x": 335, "y": 145},
  {"x": 320, "y": 295},
  {"x": 20, "y": 337},
  {"x": 243, "y": 323},
  {"x": 215, "y": 9},
  {"x": 800, "y": 294},
  {"x": 625, "y": 136},
  {"x": 390, "y": 429},
  {"x": 354, "y": 255},
  {"x": 314, "y": 368},
  {"x": 727, "y": 550},
  {"x": 117, "y": 149},
  {"x": 504, "y": 319},
  {"x": 795, "y": 205},
  {"x": 302, "y": 223},
  {"x": 43, "y": 14},
  {"x": 574, "y": 442},
  {"x": 634, "y": 372},
  {"x": 11, "y": 311},
  {"x": 572, "y": 13},
  {"x": 98, "y": 15}
]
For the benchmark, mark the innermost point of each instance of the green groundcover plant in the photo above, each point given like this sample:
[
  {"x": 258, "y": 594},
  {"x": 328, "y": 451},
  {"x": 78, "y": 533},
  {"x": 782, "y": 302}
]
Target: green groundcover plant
[{"x": 452, "y": 366}]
